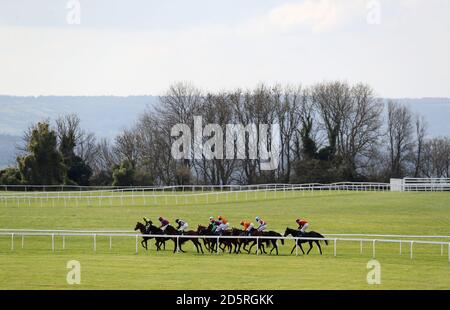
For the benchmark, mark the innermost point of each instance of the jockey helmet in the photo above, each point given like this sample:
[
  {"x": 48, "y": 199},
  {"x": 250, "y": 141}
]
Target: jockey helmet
[
  {"x": 160, "y": 219},
  {"x": 257, "y": 218}
]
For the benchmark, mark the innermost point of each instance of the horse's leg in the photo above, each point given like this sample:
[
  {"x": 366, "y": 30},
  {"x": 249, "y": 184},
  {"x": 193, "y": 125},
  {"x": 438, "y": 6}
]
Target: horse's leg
[
  {"x": 206, "y": 244},
  {"x": 200, "y": 245},
  {"x": 301, "y": 248},
  {"x": 251, "y": 246},
  {"x": 310, "y": 247},
  {"x": 319, "y": 247},
  {"x": 274, "y": 246},
  {"x": 292, "y": 251},
  {"x": 179, "y": 246},
  {"x": 263, "y": 248},
  {"x": 245, "y": 247},
  {"x": 175, "y": 242}
]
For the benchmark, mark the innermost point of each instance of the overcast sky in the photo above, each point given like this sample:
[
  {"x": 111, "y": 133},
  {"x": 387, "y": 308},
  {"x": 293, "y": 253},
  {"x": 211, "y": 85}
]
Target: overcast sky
[{"x": 129, "y": 47}]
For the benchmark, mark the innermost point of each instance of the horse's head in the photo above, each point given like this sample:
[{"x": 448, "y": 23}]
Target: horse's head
[
  {"x": 202, "y": 230},
  {"x": 287, "y": 232},
  {"x": 139, "y": 226}
]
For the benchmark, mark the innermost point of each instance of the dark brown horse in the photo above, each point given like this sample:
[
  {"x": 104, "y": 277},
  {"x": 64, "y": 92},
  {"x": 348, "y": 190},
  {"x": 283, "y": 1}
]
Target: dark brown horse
[
  {"x": 150, "y": 230},
  {"x": 170, "y": 230},
  {"x": 266, "y": 241},
  {"x": 310, "y": 234}
]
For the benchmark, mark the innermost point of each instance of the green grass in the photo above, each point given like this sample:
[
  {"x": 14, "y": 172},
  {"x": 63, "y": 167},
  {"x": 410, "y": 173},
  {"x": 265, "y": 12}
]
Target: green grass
[{"x": 37, "y": 267}]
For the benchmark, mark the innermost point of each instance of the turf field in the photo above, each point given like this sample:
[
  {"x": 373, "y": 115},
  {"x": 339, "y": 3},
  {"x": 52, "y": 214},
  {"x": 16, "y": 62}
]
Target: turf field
[{"x": 37, "y": 267}]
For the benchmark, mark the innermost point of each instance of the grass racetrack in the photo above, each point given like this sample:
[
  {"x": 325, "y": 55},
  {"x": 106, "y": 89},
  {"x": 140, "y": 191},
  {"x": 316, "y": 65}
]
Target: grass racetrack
[{"x": 37, "y": 267}]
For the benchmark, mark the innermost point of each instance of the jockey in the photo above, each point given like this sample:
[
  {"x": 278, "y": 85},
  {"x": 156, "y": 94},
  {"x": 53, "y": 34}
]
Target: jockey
[
  {"x": 262, "y": 224},
  {"x": 302, "y": 225},
  {"x": 223, "y": 224},
  {"x": 182, "y": 225},
  {"x": 164, "y": 223},
  {"x": 213, "y": 223},
  {"x": 248, "y": 226},
  {"x": 147, "y": 221}
]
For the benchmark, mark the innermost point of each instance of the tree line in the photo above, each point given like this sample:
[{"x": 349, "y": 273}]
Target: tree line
[{"x": 329, "y": 132}]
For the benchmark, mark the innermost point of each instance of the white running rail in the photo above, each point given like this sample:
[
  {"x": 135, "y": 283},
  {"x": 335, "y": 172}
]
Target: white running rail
[{"x": 411, "y": 243}]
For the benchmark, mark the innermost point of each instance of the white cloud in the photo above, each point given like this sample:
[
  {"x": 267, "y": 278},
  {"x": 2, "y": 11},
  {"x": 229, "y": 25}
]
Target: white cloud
[{"x": 319, "y": 15}]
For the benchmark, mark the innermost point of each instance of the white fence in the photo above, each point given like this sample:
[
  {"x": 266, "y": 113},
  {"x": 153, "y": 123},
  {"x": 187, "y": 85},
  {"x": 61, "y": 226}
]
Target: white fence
[
  {"x": 175, "y": 195},
  {"x": 420, "y": 185},
  {"x": 94, "y": 236}
]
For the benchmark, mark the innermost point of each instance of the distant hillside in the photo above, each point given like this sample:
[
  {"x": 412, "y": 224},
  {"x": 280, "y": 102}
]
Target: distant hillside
[
  {"x": 103, "y": 115},
  {"x": 8, "y": 149},
  {"x": 436, "y": 112}
]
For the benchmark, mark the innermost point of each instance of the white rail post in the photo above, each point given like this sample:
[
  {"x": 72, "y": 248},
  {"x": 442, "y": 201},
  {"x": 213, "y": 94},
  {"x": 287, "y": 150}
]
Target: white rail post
[
  {"x": 95, "y": 242},
  {"x": 12, "y": 242},
  {"x": 178, "y": 244},
  {"x": 257, "y": 245},
  {"x": 22, "y": 240},
  {"x": 217, "y": 245},
  {"x": 400, "y": 247},
  {"x": 361, "y": 247},
  {"x": 449, "y": 252},
  {"x": 110, "y": 243},
  {"x": 296, "y": 246},
  {"x": 53, "y": 242},
  {"x": 373, "y": 248},
  {"x": 335, "y": 246},
  {"x": 136, "y": 243},
  {"x": 411, "y": 249}
]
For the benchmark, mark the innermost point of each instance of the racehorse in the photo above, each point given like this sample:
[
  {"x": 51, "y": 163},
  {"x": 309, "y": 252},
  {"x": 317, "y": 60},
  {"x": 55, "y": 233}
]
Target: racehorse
[
  {"x": 150, "y": 230},
  {"x": 267, "y": 241},
  {"x": 310, "y": 234},
  {"x": 211, "y": 243},
  {"x": 170, "y": 230}
]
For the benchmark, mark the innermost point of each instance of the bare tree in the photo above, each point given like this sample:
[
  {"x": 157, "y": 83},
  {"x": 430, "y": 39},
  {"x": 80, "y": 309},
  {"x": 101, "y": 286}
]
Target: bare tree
[
  {"x": 333, "y": 101},
  {"x": 126, "y": 146},
  {"x": 400, "y": 134},
  {"x": 420, "y": 139},
  {"x": 436, "y": 158},
  {"x": 360, "y": 129}
]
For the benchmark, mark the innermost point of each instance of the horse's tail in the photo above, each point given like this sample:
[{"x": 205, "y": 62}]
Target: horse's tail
[
  {"x": 321, "y": 236},
  {"x": 277, "y": 234}
]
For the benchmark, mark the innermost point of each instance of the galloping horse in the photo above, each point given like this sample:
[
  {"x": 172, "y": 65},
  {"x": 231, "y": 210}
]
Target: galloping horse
[
  {"x": 311, "y": 234},
  {"x": 211, "y": 244},
  {"x": 170, "y": 230},
  {"x": 150, "y": 230},
  {"x": 267, "y": 241}
]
